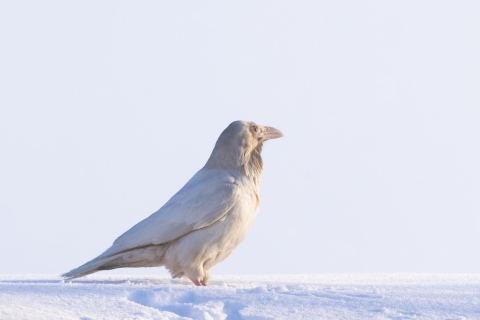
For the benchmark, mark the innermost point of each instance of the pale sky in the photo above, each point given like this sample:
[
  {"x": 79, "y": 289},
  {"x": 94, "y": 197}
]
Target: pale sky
[{"x": 109, "y": 107}]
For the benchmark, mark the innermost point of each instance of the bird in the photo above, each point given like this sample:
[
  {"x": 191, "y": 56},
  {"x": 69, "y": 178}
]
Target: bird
[{"x": 203, "y": 223}]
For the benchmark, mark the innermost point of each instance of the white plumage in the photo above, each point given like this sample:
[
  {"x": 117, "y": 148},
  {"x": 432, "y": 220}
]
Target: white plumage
[{"x": 205, "y": 221}]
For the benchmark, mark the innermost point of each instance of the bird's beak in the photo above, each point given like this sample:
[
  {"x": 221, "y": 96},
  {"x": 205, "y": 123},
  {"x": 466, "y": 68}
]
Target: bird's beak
[{"x": 271, "y": 133}]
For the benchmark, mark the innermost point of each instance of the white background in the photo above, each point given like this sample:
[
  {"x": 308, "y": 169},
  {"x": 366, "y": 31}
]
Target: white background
[{"x": 108, "y": 108}]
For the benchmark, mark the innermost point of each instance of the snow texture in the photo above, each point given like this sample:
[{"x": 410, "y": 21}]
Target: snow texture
[{"x": 332, "y": 296}]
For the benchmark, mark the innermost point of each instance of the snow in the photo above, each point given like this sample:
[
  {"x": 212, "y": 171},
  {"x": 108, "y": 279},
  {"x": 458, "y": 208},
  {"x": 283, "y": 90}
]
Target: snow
[{"x": 324, "y": 296}]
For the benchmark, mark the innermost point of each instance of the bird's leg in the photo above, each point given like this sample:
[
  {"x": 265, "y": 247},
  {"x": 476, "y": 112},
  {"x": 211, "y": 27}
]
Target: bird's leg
[
  {"x": 205, "y": 279},
  {"x": 196, "y": 282}
]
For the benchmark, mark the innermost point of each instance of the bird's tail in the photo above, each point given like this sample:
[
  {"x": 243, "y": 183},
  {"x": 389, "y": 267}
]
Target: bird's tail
[
  {"x": 87, "y": 268},
  {"x": 150, "y": 256}
]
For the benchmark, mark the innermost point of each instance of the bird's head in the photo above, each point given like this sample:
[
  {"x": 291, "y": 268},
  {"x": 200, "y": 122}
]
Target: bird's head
[{"x": 240, "y": 145}]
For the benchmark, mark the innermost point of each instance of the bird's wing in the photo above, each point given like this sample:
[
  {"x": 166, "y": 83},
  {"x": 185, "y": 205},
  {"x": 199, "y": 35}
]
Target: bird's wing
[{"x": 206, "y": 198}]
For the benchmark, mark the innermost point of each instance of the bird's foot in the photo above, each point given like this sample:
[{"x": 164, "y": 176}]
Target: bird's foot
[{"x": 196, "y": 282}]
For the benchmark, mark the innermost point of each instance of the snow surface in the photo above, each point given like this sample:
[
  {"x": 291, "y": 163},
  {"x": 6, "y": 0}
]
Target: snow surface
[{"x": 329, "y": 296}]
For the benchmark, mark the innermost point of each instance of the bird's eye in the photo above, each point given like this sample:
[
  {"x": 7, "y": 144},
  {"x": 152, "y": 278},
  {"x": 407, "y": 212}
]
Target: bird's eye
[{"x": 255, "y": 129}]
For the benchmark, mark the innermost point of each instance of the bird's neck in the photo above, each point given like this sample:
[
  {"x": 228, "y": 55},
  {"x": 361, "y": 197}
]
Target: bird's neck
[
  {"x": 254, "y": 166},
  {"x": 229, "y": 159}
]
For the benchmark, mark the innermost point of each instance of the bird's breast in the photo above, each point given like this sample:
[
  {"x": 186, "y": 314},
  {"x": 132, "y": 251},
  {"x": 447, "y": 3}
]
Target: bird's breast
[{"x": 210, "y": 245}]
